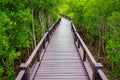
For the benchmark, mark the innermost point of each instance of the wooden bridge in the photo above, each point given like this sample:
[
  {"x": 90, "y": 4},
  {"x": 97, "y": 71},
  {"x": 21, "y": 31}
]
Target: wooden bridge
[{"x": 61, "y": 54}]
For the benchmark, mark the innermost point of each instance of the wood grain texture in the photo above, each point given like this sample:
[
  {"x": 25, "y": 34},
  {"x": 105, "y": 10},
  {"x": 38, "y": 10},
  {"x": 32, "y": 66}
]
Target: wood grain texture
[{"x": 61, "y": 60}]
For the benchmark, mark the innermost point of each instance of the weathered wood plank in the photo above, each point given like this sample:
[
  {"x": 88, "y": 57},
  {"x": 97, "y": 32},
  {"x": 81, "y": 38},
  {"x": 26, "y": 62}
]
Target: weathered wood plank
[
  {"x": 80, "y": 77},
  {"x": 58, "y": 67},
  {"x": 61, "y": 69},
  {"x": 61, "y": 74},
  {"x": 61, "y": 57},
  {"x": 63, "y": 77},
  {"x": 60, "y": 79},
  {"x": 61, "y": 61}
]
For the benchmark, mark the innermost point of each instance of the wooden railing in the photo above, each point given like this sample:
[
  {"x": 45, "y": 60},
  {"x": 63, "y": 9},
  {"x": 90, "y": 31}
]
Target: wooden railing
[
  {"x": 28, "y": 73},
  {"x": 93, "y": 68}
]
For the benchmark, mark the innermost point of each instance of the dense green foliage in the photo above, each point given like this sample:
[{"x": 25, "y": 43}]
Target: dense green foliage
[
  {"x": 99, "y": 21},
  {"x": 22, "y": 23}
]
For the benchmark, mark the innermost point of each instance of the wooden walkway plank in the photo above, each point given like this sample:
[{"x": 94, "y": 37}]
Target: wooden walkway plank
[{"x": 61, "y": 60}]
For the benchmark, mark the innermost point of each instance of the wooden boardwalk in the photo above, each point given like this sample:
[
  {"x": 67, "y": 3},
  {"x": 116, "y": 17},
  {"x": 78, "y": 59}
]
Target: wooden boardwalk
[
  {"x": 61, "y": 54},
  {"x": 61, "y": 60}
]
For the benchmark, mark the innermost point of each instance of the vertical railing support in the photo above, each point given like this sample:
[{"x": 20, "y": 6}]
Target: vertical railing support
[
  {"x": 43, "y": 44},
  {"x": 54, "y": 28},
  {"x": 71, "y": 27},
  {"x": 50, "y": 33},
  {"x": 95, "y": 67},
  {"x": 48, "y": 36},
  {"x": 75, "y": 37},
  {"x": 78, "y": 43},
  {"x": 24, "y": 66},
  {"x": 38, "y": 55},
  {"x": 84, "y": 55}
]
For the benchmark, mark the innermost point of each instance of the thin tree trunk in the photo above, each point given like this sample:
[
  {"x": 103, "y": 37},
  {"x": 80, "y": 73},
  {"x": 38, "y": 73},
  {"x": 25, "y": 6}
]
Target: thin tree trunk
[
  {"x": 20, "y": 59},
  {"x": 99, "y": 44},
  {"x": 28, "y": 52},
  {"x": 49, "y": 20},
  {"x": 33, "y": 29},
  {"x": 103, "y": 30},
  {"x": 99, "y": 49},
  {"x": 3, "y": 61},
  {"x": 103, "y": 47},
  {"x": 42, "y": 22}
]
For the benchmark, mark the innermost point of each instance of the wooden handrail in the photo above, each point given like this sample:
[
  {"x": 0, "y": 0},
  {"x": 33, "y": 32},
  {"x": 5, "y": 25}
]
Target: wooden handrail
[
  {"x": 24, "y": 73},
  {"x": 20, "y": 75},
  {"x": 86, "y": 49},
  {"x": 36, "y": 49},
  {"x": 100, "y": 73},
  {"x": 97, "y": 72}
]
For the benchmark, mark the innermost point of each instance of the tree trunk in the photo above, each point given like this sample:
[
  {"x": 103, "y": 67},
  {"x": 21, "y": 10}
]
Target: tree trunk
[
  {"x": 99, "y": 44},
  {"x": 33, "y": 30},
  {"x": 28, "y": 52},
  {"x": 42, "y": 21},
  {"x": 99, "y": 49}
]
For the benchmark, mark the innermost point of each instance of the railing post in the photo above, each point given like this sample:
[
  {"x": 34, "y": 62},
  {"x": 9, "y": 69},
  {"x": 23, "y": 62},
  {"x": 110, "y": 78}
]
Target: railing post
[
  {"x": 75, "y": 34},
  {"x": 84, "y": 55},
  {"x": 24, "y": 66},
  {"x": 43, "y": 44},
  {"x": 75, "y": 37},
  {"x": 95, "y": 67},
  {"x": 50, "y": 32},
  {"x": 54, "y": 28},
  {"x": 78, "y": 43},
  {"x": 48, "y": 36},
  {"x": 38, "y": 55},
  {"x": 71, "y": 26}
]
